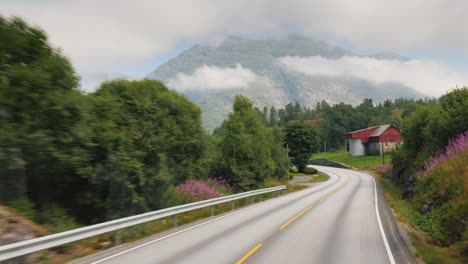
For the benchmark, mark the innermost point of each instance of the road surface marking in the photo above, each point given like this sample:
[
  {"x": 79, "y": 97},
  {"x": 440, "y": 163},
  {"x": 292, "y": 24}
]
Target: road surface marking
[
  {"x": 326, "y": 196},
  {"x": 248, "y": 254},
  {"x": 294, "y": 218},
  {"x": 384, "y": 237},
  {"x": 173, "y": 234}
]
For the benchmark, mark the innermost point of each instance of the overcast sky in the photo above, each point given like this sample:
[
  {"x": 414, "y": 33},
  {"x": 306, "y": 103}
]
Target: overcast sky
[{"x": 128, "y": 39}]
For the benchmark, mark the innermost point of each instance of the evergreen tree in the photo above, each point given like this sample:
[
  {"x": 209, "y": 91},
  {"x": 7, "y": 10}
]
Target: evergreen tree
[
  {"x": 273, "y": 117},
  {"x": 303, "y": 140}
]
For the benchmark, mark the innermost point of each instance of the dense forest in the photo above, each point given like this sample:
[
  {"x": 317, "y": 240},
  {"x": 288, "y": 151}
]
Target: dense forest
[
  {"x": 333, "y": 121},
  {"x": 124, "y": 149}
]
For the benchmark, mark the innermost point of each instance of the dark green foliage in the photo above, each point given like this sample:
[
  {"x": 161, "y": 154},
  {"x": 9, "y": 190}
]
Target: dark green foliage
[
  {"x": 294, "y": 170},
  {"x": 429, "y": 127},
  {"x": 273, "y": 121},
  {"x": 250, "y": 152},
  {"x": 310, "y": 171},
  {"x": 99, "y": 156},
  {"x": 144, "y": 138},
  {"x": 334, "y": 121},
  {"x": 40, "y": 112},
  {"x": 302, "y": 141},
  {"x": 438, "y": 195}
]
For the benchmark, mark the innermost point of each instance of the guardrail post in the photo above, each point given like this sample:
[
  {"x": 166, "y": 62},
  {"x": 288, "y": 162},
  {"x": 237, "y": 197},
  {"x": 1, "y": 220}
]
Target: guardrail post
[
  {"x": 117, "y": 237},
  {"x": 252, "y": 200},
  {"x": 232, "y": 205},
  {"x": 174, "y": 221},
  {"x": 212, "y": 210}
]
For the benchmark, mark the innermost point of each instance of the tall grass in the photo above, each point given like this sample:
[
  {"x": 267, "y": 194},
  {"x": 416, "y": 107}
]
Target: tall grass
[
  {"x": 358, "y": 162},
  {"x": 441, "y": 193}
]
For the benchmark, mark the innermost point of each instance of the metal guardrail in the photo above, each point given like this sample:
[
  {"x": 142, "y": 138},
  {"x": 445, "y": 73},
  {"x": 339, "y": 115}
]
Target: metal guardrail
[{"x": 41, "y": 243}]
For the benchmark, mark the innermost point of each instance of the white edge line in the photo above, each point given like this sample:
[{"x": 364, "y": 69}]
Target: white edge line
[
  {"x": 173, "y": 234},
  {"x": 384, "y": 237}
]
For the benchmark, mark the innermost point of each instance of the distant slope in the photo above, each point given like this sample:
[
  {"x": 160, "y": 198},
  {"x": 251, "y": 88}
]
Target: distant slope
[{"x": 277, "y": 86}]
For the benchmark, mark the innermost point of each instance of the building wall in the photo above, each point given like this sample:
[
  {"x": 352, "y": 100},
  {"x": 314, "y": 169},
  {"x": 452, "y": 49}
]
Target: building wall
[
  {"x": 373, "y": 149},
  {"x": 376, "y": 148},
  {"x": 356, "y": 148}
]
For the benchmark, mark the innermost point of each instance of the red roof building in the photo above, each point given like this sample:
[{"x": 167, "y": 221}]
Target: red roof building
[{"x": 373, "y": 140}]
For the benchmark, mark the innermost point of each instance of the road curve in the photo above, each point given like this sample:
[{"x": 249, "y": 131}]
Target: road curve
[{"x": 336, "y": 221}]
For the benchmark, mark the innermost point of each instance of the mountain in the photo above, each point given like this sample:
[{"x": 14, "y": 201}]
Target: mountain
[{"x": 211, "y": 75}]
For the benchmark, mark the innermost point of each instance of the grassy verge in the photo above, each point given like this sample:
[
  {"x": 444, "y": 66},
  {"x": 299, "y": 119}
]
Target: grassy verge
[
  {"x": 405, "y": 212},
  {"x": 358, "y": 162},
  {"x": 320, "y": 177},
  {"x": 296, "y": 187}
]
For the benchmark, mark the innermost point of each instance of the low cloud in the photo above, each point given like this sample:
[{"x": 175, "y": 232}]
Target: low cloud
[
  {"x": 425, "y": 76},
  {"x": 116, "y": 34},
  {"x": 214, "y": 78},
  {"x": 95, "y": 78}
]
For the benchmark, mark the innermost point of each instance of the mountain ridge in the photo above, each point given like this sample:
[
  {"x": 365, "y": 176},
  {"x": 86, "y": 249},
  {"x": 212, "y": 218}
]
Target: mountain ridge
[{"x": 278, "y": 86}]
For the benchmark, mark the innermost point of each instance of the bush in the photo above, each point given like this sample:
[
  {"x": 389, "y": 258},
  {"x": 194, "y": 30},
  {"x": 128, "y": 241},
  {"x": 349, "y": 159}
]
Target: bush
[
  {"x": 24, "y": 207},
  {"x": 57, "y": 219},
  {"x": 293, "y": 170},
  {"x": 440, "y": 193},
  {"x": 197, "y": 190},
  {"x": 52, "y": 216},
  {"x": 310, "y": 171}
]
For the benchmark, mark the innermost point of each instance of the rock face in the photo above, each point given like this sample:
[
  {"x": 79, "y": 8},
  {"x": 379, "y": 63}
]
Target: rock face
[
  {"x": 403, "y": 175},
  {"x": 275, "y": 84},
  {"x": 15, "y": 229}
]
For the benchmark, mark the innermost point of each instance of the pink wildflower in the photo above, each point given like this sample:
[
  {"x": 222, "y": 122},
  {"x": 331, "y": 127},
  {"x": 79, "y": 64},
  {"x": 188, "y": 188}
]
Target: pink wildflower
[
  {"x": 197, "y": 190},
  {"x": 454, "y": 148}
]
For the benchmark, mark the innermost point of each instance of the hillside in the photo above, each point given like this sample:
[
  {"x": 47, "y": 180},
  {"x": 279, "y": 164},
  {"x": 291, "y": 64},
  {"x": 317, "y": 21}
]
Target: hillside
[{"x": 267, "y": 81}]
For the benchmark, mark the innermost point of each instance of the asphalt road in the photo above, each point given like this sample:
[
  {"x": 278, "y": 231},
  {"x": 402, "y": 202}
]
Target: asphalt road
[{"x": 332, "y": 222}]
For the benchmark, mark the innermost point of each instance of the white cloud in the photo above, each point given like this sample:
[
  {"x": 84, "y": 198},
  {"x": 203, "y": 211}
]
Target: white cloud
[
  {"x": 427, "y": 77},
  {"x": 111, "y": 33},
  {"x": 94, "y": 79},
  {"x": 214, "y": 78}
]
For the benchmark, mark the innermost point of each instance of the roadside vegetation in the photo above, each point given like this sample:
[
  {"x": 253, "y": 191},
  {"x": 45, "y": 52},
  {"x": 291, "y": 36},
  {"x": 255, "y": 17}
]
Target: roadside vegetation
[
  {"x": 431, "y": 170},
  {"x": 319, "y": 178},
  {"x": 358, "y": 162},
  {"x": 426, "y": 182}
]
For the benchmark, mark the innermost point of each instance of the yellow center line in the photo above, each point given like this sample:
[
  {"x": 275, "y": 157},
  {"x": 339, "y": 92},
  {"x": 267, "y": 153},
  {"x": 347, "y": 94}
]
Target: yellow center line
[
  {"x": 294, "y": 218},
  {"x": 342, "y": 186},
  {"x": 325, "y": 197},
  {"x": 248, "y": 254}
]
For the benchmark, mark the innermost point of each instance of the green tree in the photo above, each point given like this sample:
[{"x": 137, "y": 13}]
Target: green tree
[
  {"x": 40, "y": 114},
  {"x": 302, "y": 140},
  {"x": 273, "y": 117},
  {"x": 145, "y": 139},
  {"x": 249, "y": 150}
]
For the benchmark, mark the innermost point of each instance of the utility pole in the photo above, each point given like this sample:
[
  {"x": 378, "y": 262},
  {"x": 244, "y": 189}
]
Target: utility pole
[
  {"x": 383, "y": 153},
  {"x": 287, "y": 155},
  {"x": 325, "y": 144},
  {"x": 345, "y": 149}
]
